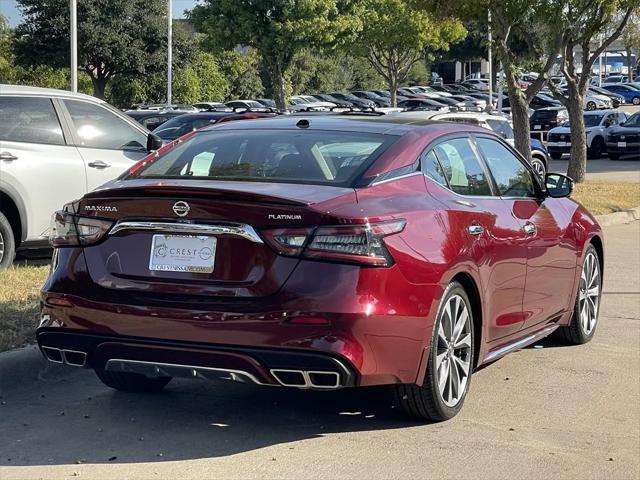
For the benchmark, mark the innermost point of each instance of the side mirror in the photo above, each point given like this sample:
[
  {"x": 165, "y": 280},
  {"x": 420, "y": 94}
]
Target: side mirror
[
  {"x": 558, "y": 185},
  {"x": 154, "y": 142},
  {"x": 607, "y": 123}
]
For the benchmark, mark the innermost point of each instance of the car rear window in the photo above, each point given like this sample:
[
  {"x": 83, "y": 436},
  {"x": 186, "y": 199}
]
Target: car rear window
[{"x": 315, "y": 157}]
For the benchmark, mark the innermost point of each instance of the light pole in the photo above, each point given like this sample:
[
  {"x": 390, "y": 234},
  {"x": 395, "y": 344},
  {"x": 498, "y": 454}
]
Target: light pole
[
  {"x": 490, "y": 104},
  {"x": 169, "y": 52},
  {"x": 74, "y": 44}
]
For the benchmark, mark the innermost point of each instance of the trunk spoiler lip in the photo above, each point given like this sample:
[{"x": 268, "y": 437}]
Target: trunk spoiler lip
[{"x": 291, "y": 194}]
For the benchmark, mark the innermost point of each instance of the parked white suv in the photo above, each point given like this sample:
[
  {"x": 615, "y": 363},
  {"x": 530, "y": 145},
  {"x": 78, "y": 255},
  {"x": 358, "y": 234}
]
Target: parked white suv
[
  {"x": 55, "y": 146},
  {"x": 597, "y": 124}
]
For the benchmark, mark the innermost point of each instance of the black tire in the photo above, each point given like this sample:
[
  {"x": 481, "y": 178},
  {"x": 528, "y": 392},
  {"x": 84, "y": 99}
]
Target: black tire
[
  {"x": 597, "y": 148},
  {"x": 425, "y": 401},
  {"x": 131, "y": 382},
  {"x": 7, "y": 243},
  {"x": 635, "y": 100},
  {"x": 556, "y": 155},
  {"x": 613, "y": 155},
  {"x": 591, "y": 106},
  {"x": 575, "y": 333}
]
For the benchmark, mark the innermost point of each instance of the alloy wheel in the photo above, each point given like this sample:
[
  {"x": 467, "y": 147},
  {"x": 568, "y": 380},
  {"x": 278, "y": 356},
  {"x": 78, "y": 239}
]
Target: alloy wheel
[
  {"x": 538, "y": 167},
  {"x": 589, "y": 294},
  {"x": 453, "y": 355}
]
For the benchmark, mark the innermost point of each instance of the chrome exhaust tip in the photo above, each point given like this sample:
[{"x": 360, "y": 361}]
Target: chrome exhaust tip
[
  {"x": 74, "y": 358},
  {"x": 306, "y": 379},
  {"x": 290, "y": 378},
  {"x": 329, "y": 380},
  {"x": 52, "y": 354}
]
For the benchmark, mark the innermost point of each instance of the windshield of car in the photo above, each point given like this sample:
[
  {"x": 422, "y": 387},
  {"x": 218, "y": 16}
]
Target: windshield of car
[
  {"x": 501, "y": 127},
  {"x": 633, "y": 121},
  {"x": 592, "y": 120},
  {"x": 176, "y": 127},
  {"x": 315, "y": 157}
]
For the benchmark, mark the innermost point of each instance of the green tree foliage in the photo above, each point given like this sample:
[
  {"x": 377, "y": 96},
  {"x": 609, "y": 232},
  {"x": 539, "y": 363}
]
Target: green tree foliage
[
  {"x": 396, "y": 34},
  {"x": 36, "y": 75},
  {"x": 201, "y": 80},
  {"x": 314, "y": 71},
  {"x": 276, "y": 29},
  {"x": 115, "y": 37},
  {"x": 242, "y": 71}
]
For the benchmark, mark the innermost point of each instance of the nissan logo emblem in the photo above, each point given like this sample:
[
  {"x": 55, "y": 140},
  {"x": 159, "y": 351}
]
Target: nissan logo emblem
[{"x": 181, "y": 208}]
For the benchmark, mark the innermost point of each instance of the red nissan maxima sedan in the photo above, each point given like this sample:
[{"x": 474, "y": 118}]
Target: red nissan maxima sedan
[{"x": 323, "y": 253}]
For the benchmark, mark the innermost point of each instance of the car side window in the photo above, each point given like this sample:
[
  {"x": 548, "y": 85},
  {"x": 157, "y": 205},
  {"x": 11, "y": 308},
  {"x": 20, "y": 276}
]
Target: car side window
[
  {"x": 97, "y": 127},
  {"x": 29, "y": 120},
  {"x": 432, "y": 168},
  {"x": 612, "y": 118},
  {"x": 512, "y": 178},
  {"x": 462, "y": 168}
]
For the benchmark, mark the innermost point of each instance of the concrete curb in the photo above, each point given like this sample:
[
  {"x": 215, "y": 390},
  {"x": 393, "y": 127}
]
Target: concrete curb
[
  {"x": 26, "y": 365},
  {"x": 619, "y": 218}
]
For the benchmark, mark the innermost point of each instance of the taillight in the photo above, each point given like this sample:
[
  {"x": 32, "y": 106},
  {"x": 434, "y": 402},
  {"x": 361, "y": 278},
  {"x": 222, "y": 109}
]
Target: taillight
[
  {"x": 69, "y": 230},
  {"x": 362, "y": 244}
]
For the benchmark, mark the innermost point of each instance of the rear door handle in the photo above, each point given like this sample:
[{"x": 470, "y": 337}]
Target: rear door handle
[
  {"x": 99, "y": 164},
  {"x": 475, "y": 229},
  {"x": 529, "y": 228},
  {"x": 8, "y": 157}
]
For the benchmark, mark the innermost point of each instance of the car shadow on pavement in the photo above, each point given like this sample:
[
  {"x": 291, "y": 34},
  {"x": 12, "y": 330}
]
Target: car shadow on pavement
[{"x": 75, "y": 419}]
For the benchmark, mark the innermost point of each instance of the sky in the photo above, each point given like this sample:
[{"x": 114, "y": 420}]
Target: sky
[{"x": 9, "y": 9}]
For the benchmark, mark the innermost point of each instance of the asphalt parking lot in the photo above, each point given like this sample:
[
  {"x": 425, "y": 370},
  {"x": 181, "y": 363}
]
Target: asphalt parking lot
[
  {"x": 604, "y": 169},
  {"x": 548, "y": 411}
]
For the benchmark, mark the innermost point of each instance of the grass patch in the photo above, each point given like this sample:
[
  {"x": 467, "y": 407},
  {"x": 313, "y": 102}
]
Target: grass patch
[
  {"x": 19, "y": 304},
  {"x": 607, "y": 197}
]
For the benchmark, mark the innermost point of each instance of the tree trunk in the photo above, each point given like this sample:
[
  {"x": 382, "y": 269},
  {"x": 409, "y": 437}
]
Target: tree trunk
[
  {"x": 393, "y": 87},
  {"x": 519, "y": 113},
  {"x": 99, "y": 86},
  {"x": 578, "y": 160},
  {"x": 277, "y": 78},
  {"x": 629, "y": 66}
]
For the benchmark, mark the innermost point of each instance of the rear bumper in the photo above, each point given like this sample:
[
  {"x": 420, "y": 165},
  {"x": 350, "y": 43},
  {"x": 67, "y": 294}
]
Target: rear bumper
[
  {"x": 152, "y": 357},
  {"x": 379, "y": 324}
]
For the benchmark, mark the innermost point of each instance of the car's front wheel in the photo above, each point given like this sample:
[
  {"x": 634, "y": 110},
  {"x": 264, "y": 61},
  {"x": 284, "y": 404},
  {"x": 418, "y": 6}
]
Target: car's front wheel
[
  {"x": 448, "y": 374},
  {"x": 587, "y": 306},
  {"x": 131, "y": 382}
]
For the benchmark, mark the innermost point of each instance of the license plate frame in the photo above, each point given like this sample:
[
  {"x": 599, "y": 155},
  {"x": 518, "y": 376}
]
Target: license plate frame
[{"x": 182, "y": 253}]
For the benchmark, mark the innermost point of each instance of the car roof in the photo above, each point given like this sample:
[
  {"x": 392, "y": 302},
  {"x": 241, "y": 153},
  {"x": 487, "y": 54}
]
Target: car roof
[
  {"x": 211, "y": 115},
  {"x": 6, "y": 89},
  {"x": 383, "y": 124},
  {"x": 153, "y": 113},
  {"x": 474, "y": 115},
  {"x": 599, "y": 112}
]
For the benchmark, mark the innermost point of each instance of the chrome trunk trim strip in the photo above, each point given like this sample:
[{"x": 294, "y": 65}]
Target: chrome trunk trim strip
[{"x": 239, "y": 230}]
